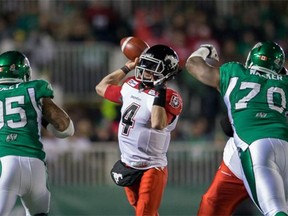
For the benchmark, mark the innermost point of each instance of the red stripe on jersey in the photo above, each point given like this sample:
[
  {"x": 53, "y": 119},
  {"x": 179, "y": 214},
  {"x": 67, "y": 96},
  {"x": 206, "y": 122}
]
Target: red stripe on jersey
[
  {"x": 174, "y": 102},
  {"x": 173, "y": 105},
  {"x": 113, "y": 94}
]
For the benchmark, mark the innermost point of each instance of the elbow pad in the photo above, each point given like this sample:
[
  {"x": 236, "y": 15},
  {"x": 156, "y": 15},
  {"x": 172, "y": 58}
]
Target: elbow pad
[{"x": 69, "y": 131}]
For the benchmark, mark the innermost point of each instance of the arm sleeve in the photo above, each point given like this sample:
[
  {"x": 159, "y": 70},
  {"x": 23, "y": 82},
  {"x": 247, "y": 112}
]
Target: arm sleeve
[
  {"x": 44, "y": 89},
  {"x": 113, "y": 93},
  {"x": 173, "y": 105}
]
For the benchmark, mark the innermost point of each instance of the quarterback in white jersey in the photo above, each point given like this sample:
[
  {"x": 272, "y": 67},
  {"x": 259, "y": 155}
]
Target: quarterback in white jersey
[
  {"x": 149, "y": 113},
  {"x": 143, "y": 147}
]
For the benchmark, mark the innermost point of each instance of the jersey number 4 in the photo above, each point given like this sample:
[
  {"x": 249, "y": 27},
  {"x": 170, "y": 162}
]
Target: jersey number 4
[{"x": 128, "y": 118}]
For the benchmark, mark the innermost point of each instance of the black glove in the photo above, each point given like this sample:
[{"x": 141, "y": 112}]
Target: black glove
[
  {"x": 160, "y": 86},
  {"x": 212, "y": 51},
  {"x": 160, "y": 98}
]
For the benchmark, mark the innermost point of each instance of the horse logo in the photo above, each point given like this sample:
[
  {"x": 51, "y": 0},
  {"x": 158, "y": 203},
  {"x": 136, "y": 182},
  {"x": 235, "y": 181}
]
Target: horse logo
[{"x": 117, "y": 177}]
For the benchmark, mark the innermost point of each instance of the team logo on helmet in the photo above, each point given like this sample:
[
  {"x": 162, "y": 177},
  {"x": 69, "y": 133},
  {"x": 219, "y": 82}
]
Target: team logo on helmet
[
  {"x": 149, "y": 55},
  {"x": 263, "y": 58},
  {"x": 172, "y": 59},
  {"x": 12, "y": 67}
]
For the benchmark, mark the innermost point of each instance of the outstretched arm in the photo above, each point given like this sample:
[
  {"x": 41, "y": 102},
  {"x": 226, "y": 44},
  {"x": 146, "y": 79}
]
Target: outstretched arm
[
  {"x": 200, "y": 69},
  {"x": 115, "y": 77}
]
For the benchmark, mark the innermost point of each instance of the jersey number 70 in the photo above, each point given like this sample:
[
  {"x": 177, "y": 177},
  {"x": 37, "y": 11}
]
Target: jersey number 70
[{"x": 254, "y": 91}]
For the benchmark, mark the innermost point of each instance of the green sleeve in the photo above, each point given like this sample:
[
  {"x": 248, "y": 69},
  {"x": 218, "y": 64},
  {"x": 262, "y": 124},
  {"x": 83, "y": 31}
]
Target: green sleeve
[{"x": 44, "y": 89}]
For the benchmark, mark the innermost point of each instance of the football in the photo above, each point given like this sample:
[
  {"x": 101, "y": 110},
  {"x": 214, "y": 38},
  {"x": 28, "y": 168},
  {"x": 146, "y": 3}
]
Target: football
[{"x": 132, "y": 47}]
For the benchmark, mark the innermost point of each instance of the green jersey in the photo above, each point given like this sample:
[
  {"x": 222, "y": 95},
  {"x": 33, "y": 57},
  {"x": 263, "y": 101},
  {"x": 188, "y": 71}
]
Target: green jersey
[
  {"x": 256, "y": 102},
  {"x": 20, "y": 118}
]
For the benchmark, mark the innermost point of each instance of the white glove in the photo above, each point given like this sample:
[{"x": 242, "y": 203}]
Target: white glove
[
  {"x": 212, "y": 51},
  {"x": 206, "y": 51}
]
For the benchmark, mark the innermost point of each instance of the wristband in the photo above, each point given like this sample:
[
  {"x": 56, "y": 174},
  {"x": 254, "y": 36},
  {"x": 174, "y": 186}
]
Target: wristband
[
  {"x": 160, "y": 99},
  {"x": 125, "y": 69},
  {"x": 202, "y": 52},
  {"x": 69, "y": 131}
]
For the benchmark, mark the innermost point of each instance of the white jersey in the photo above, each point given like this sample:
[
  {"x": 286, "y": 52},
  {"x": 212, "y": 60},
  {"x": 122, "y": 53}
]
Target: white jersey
[{"x": 141, "y": 146}]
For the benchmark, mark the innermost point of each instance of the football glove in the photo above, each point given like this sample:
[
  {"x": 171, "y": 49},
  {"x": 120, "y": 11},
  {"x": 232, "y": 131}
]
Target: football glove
[
  {"x": 212, "y": 51},
  {"x": 205, "y": 51}
]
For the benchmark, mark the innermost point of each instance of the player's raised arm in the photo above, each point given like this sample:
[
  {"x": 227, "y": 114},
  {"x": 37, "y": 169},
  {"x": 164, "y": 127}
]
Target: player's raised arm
[
  {"x": 131, "y": 47},
  {"x": 115, "y": 77},
  {"x": 200, "y": 69}
]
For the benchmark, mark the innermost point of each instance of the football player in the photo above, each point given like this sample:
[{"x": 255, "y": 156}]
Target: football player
[
  {"x": 150, "y": 111},
  {"x": 227, "y": 189},
  {"x": 256, "y": 98},
  {"x": 25, "y": 104}
]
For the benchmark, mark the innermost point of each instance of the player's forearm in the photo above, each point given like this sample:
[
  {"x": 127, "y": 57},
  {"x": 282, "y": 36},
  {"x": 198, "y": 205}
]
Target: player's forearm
[
  {"x": 203, "y": 72},
  {"x": 56, "y": 119},
  {"x": 196, "y": 67},
  {"x": 112, "y": 79},
  {"x": 115, "y": 77},
  {"x": 158, "y": 117},
  {"x": 55, "y": 115}
]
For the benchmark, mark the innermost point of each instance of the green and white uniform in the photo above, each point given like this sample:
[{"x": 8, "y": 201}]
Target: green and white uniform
[
  {"x": 23, "y": 171},
  {"x": 257, "y": 107}
]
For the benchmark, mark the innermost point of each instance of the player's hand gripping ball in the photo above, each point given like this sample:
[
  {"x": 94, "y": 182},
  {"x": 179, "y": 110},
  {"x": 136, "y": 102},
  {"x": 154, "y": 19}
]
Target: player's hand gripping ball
[{"x": 132, "y": 47}]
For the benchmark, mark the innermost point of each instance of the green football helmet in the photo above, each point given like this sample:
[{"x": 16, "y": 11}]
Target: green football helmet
[
  {"x": 14, "y": 67},
  {"x": 267, "y": 57}
]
